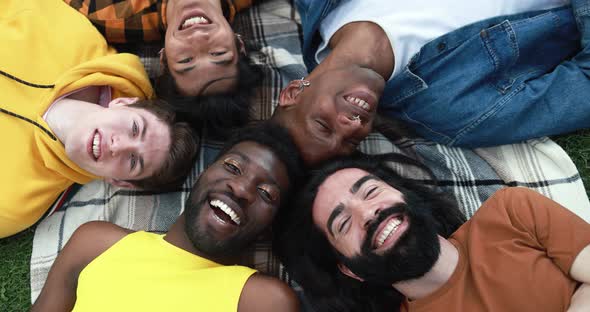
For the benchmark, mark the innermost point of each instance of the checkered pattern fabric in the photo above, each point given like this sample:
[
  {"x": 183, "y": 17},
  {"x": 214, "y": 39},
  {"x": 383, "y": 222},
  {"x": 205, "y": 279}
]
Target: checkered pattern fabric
[
  {"x": 471, "y": 176},
  {"x": 131, "y": 21}
]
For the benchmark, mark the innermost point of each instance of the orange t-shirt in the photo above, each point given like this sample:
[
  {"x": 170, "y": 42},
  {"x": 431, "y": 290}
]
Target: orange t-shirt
[{"x": 515, "y": 254}]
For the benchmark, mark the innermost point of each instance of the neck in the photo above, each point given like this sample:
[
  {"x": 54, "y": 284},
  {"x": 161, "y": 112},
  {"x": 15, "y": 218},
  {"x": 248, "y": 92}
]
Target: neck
[
  {"x": 177, "y": 236},
  {"x": 435, "y": 278},
  {"x": 362, "y": 44},
  {"x": 64, "y": 114}
]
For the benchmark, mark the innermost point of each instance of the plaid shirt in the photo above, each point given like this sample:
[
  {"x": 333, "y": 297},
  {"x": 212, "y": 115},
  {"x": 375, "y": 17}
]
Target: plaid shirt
[{"x": 130, "y": 21}]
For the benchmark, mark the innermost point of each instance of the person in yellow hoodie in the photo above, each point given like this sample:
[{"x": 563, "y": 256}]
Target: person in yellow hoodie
[{"x": 68, "y": 114}]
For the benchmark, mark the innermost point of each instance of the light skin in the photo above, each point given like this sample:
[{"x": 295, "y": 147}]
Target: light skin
[
  {"x": 350, "y": 69},
  {"x": 201, "y": 57},
  {"x": 342, "y": 215},
  {"x": 131, "y": 143},
  {"x": 260, "y": 293}
]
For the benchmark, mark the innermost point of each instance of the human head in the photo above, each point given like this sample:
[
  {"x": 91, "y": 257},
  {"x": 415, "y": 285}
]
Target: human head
[
  {"x": 201, "y": 49},
  {"x": 322, "y": 116},
  {"x": 133, "y": 144},
  {"x": 238, "y": 195},
  {"x": 220, "y": 112},
  {"x": 320, "y": 265}
]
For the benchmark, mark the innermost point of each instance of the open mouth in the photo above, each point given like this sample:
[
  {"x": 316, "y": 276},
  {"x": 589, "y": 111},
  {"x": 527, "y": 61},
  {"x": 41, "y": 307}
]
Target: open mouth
[
  {"x": 361, "y": 104},
  {"x": 224, "y": 213},
  {"x": 389, "y": 232},
  {"x": 194, "y": 21},
  {"x": 95, "y": 149}
]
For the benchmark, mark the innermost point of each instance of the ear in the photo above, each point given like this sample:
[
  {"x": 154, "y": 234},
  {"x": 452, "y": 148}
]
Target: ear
[
  {"x": 162, "y": 56},
  {"x": 120, "y": 183},
  {"x": 346, "y": 271},
  {"x": 241, "y": 45},
  {"x": 288, "y": 96},
  {"x": 122, "y": 101}
]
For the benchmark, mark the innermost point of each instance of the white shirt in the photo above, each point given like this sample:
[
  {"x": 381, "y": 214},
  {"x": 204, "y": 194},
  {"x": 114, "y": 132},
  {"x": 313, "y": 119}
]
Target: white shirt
[{"x": 411, "y": 24}]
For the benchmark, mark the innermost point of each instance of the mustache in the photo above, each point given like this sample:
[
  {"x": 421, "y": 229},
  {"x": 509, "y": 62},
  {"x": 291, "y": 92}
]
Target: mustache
[{"x": 374, "y": 225}]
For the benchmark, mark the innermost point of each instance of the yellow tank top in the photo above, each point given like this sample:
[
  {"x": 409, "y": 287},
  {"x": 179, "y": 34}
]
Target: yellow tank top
[{"x": 143, "y": 272}]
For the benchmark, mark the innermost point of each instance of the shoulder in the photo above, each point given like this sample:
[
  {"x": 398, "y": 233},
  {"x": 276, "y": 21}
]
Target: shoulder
[
  {"x": 265, "y": 293},
  {"x": 92, "y": 239}
]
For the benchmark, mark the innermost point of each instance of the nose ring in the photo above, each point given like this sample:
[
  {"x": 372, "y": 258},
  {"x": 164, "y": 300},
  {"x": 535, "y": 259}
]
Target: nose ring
[{"x": 355, "y": 118}]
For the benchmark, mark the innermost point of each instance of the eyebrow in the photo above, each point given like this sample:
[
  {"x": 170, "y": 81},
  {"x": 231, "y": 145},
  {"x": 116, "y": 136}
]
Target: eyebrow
[
  {"x": 357, "y": 185},
  {"x": 223, "y": 62},
  {"x": 185, "y": 70}
]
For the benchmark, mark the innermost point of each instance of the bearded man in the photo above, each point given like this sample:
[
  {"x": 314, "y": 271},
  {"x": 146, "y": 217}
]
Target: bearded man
[{"x": 364, "y": 238}]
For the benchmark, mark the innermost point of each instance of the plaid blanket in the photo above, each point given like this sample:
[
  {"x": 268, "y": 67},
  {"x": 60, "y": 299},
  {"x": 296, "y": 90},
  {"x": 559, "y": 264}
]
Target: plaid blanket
[{"x": 471, "y": 176}]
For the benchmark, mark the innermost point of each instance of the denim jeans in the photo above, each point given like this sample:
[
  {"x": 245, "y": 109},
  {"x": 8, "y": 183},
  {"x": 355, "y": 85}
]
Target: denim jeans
[{"x": 498, "y": 81}]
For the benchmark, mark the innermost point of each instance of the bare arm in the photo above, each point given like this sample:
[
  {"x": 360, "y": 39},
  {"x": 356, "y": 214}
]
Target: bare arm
[
  {"x": 580, "y": 271},
  {"x": 267, "y": 294},
  {"x": 88, "y": 242}
]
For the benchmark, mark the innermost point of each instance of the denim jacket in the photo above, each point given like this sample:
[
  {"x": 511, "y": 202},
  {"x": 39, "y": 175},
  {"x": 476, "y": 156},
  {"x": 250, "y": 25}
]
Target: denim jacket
[{"x": 480, "y": 84}]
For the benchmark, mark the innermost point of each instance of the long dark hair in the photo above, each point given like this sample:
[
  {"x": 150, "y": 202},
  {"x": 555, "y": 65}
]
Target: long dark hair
[{"x": 312, "y": 261}]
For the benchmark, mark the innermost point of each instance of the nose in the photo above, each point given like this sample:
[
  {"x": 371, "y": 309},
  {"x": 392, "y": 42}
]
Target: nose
[
  {"x": 121, "y": 145},
  {"x": 365, "y": 214},
  {"x": 244, "y": 189}
]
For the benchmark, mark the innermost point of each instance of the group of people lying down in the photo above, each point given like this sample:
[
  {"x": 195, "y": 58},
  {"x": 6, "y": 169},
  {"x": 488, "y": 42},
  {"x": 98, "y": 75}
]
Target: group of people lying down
[{"x": 352, "y": 231}]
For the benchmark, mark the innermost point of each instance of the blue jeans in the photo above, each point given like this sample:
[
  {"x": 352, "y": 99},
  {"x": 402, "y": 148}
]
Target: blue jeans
[{"x": 498, "y": 81}]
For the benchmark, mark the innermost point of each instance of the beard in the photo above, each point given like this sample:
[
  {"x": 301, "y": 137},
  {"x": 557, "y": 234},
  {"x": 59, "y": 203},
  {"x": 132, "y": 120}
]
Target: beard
[
  {"x": 412, "y": 256},
  {"x": 201, "y": 236}
]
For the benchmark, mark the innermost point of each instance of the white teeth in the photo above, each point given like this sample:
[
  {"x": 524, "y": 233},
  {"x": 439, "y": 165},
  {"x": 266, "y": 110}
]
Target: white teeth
[
  {"x": 388, "y": 230},
  {"x": 226, "y": 209},
  {"x": 96, "y": 146},
  {"x": 358, "y": 102},
  {"x": 194, "y": 20}
]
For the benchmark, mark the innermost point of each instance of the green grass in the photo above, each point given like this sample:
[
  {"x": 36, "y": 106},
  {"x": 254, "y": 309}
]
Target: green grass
[
  {"x": 15, "y": 251},
  {"x": 15, "y": 256}
]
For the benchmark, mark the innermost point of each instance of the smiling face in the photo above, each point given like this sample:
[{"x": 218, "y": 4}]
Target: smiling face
[
  {"x": 235, "y": 199},
  {"x": 119, "y": 143},
  {"x": 334, "y": 114},
  {"x": 200, "y": 47},
  {"x": 378, "y": 235}
]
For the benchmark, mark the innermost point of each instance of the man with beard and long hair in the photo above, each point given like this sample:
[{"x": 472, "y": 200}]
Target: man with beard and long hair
[
  {"x": 192, "y": 267},
  {"x": 363, "y": 238}
]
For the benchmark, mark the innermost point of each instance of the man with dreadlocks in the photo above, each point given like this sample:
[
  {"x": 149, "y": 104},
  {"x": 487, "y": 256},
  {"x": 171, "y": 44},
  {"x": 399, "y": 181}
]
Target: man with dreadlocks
[
  {"x": 70, "y": 113},
  {"x": 363, "y": 238}
]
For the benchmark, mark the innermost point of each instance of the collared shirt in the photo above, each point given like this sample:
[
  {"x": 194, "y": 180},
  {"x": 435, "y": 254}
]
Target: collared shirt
[{"x": 130, "y": 21}]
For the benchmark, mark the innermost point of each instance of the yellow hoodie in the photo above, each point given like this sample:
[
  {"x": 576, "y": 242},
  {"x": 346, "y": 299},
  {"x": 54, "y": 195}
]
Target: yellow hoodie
[{"x": 47, "y": 42}]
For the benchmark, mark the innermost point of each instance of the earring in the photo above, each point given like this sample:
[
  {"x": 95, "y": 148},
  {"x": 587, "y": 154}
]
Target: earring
[{"x": 303, "y": 83}]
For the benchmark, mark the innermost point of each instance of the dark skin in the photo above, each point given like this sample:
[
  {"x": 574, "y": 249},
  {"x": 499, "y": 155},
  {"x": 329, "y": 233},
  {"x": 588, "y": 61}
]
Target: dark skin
[
  {"x": 365, "y": 66},
  {"x": 260, "y": 293}
]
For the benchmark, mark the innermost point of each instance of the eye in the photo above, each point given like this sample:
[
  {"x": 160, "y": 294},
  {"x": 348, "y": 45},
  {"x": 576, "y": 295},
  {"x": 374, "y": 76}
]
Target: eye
[
  {"x": 343, "y": 224},
  {"x": 264, "y": 194},
  {"x": 186, "y": 60},
  {"x": 232, "y": 166},
  {"x": 217, "y": 53},
  {"x": 133, "y": 161},
  {"x": 322, "y": 125},
  {"x": 135, "y": 129},
  {"x": 370, "y": 191}
]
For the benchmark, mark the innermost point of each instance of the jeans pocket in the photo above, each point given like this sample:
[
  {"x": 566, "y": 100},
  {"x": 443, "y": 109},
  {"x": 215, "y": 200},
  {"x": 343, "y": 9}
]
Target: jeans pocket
[{"x": 502, "y": 47}]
